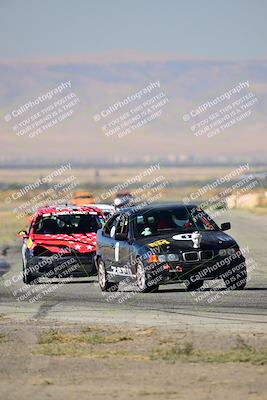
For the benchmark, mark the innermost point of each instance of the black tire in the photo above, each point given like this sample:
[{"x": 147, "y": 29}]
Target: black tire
[
  {"x": 154, "y": 288},
  {"x": 142, "y": 281},
  {"x": 94, "y": 268},
  {"x": 28, "y": 278},
  {"x": 193, "y": 286},
  {"x": 239, "y": 280},
  {"x": 104, "y": 284}
]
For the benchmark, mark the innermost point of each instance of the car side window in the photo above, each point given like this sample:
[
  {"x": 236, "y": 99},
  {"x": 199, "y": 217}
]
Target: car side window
[
  {"x": 122, "y": 226},
  {"x": 112, "y": 223},
  {"x": 125, "y": 227}
]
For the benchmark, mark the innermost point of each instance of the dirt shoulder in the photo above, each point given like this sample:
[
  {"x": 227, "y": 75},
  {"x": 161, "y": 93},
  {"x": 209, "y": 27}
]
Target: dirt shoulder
[{"x": 40, "y": 359}]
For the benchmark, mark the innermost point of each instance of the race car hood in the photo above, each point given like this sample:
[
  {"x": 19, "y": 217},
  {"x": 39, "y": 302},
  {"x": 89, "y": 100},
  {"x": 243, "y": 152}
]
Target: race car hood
[
  {"x": 183, "y": 242},
  {"x": 80, "y": 242}
]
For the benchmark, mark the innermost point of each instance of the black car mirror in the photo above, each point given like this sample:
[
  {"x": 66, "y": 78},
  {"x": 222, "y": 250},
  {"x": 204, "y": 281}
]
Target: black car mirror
[
  {"x": 121, "y": 236},
  {"x": 225, "y": 226}
]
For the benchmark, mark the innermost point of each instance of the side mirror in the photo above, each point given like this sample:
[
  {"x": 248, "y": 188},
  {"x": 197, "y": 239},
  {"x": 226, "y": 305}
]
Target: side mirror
[
  {"x": 23, "y": 234},
  {"x": 225, "y": 226},
  {"x": 121, "y": 236}
]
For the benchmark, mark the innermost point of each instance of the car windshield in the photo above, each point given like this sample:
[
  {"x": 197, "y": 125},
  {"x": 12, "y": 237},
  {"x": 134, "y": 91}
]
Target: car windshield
[
  {"x": 67, "y": 224},
  {"x": 180, "y": 220},
  {"x": 83, "y": 197}
]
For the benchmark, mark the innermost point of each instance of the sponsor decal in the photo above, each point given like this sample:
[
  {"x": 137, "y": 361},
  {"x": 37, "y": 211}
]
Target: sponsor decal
[
  {"x": 120, "y": 270},
  {"x": 69, "y": 212},
  {"x": 158, "y": 243}
]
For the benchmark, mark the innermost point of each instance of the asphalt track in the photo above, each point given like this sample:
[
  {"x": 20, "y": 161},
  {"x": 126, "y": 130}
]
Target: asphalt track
[{"x": 81, "y": 300}]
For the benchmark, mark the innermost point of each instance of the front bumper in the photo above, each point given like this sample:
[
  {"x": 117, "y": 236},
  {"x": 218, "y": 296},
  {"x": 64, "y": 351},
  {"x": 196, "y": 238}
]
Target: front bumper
[
  {"x": 76, "y": 265},
  {"x": 179, "y": 272}
]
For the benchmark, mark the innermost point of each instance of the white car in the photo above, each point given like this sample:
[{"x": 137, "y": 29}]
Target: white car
[{"x": 107, "y": 209}]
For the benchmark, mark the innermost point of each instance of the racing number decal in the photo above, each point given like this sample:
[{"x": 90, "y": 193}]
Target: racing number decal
[{"x": 117, "y": 251}]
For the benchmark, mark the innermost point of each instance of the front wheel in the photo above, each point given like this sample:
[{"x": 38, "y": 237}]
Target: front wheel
[
  {"x": 192, "y": 286},
  {"x": 28, "y": 279},
  {"x": 143, "y": 284},
  {"x": 237, "y": 281},
  {"x": 104, "y": 284}
]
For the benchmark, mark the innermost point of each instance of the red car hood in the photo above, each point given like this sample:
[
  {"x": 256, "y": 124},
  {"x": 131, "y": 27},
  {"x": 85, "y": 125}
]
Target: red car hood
[{"x": 80, "y": 242}]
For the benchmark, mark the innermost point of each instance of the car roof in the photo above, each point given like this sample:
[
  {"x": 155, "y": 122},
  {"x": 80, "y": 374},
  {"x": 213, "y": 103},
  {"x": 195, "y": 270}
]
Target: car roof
[
  {"x": 102, "y": 205},
  {"x": 65, "y": 208},
  {"x": 156, "y": 206}
]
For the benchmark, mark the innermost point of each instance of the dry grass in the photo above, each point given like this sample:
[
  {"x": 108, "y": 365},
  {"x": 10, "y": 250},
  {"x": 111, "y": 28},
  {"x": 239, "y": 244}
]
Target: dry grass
[
  {"x": 259, "y": 210},
  {"x": 9, "y": 227},
  {"x": 185, "y": 352},
  {"x": 182, "y": 181},
  {"x": 3, "y": 338},
  {"x": 116, "y": 174},
  {"x": 56, "y": 342},
  {"x": 98, "y": 343}
]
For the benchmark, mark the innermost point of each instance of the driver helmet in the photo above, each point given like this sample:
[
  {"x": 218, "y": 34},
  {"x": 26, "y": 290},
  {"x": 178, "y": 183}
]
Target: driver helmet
[{"x": 181, "y": 221}]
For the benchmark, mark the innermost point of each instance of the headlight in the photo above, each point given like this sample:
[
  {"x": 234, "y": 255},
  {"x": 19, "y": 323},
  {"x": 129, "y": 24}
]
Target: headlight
[
  {"x": 172, "y": 257},
  {"x": 226, "y": 252},
  {"x": 162, "y": 258},
  {"x": 231, "y": 252},
  {"x": 168, "y": 257}
]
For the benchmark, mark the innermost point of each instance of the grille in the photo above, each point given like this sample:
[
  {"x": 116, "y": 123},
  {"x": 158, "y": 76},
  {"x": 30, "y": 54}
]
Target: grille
[
  {"x": 191, "y": 256},
  {"x": 206, "y": 254}
]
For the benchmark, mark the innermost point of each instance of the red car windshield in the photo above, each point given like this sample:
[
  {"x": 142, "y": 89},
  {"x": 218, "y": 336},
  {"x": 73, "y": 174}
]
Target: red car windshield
[{"x": 67, "y": 224}]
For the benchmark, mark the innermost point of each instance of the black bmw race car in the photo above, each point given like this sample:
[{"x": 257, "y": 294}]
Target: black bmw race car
[{"x": 167, "y": 243}]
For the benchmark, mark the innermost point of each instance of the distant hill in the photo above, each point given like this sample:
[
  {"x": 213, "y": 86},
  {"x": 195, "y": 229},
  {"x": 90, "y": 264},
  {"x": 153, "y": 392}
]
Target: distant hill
[{"x": 101, "y": 80}]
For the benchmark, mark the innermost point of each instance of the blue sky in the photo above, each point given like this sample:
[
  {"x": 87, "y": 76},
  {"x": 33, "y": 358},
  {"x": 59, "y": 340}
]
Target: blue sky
[{"x": 208, "y": 28}]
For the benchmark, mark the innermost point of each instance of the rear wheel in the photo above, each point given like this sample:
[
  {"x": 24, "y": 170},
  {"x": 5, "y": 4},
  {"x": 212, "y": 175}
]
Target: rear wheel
[{"x": 104, "y": 284}]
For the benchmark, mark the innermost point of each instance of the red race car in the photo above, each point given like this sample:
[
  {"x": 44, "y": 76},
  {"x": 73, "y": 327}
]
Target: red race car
[{"x": 61, "y": 242}]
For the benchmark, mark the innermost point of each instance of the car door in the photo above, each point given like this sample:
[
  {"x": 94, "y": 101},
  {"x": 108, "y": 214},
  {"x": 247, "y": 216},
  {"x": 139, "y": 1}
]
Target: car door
[
  {"x": 107, "y": 243},
  {"x": 120, "y": 263}
]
